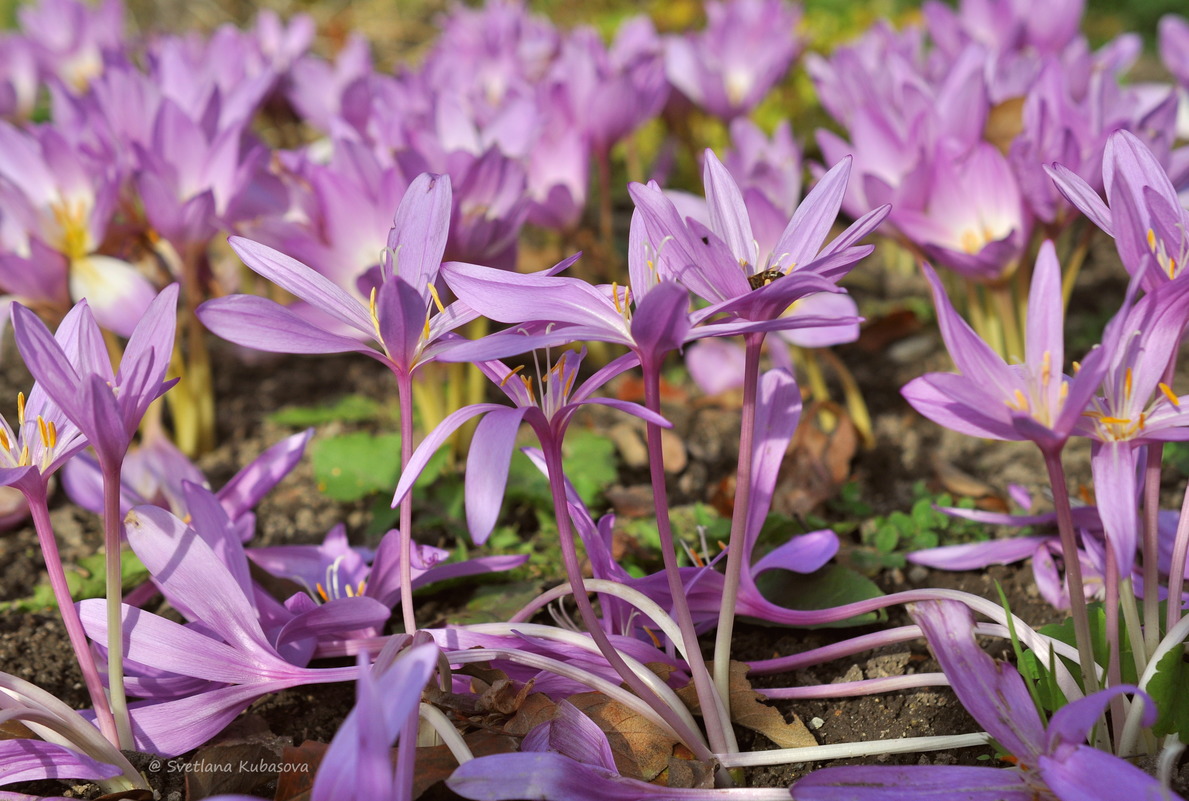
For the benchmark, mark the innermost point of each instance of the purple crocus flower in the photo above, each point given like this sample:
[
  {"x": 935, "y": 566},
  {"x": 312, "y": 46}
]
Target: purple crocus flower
[
  {"x": 1143, "y": 212},
  {"x": 990, "y": 398},
  {"x": 398, "y": 317},
  {"x": 73, "y": 39},
  {"x": 1052, "y": 760},
  {"x": 228, "y": 661},
  {"x": 549, "y": 414},
  {"x": 746, "y": 48},
  {"x": 975, "y": 222},
  {"x": 107, "y": 405}
]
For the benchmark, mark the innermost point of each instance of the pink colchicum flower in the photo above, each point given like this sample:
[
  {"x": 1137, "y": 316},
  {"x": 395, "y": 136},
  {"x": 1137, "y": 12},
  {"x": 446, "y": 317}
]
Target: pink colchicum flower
[
  {"x": 989, "y": 397},
  {"x": 746, "y": 48},
  {"x": 1143, "y": 212},
  {"x": 1053, "y": 760}
]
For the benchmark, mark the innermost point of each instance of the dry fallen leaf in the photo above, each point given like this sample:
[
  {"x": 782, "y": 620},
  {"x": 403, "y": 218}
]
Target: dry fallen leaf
[
  {"x": 750, "y": 711},
  {"x": 641, "y": 748}
]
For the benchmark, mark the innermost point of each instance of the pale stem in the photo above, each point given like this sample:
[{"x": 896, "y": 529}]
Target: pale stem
[
  {"x": 814, "y": 753},
  {"x": 404, "y": 394},
  {"x": 447, "y": 732},
  {"x": 70, "y": 619},
  {"x": 1013, "y": 340},
  {"x": 1114, "y": 670},
  {"x": 551, "y": 445},
  {"x": 1073, "y": 568},
  {"x": 735, "y": 544},
  {"x": 1176, "y": 571},
  {"x": 1135, "y": 637},
  {"x": 844, "y": 689},
  {"x": 718, "y": 728},
  {"x": 1131, "y": 731},
  {"x": 112, "y": 527}
]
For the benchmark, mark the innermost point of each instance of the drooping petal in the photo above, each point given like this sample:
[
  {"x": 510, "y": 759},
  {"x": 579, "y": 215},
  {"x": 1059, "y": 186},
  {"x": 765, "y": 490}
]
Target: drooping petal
[
  {"x": 1088, "y": 774},
  {"x": 33, "y": 760},
  {"x": 910, "y": 782},
  {"x": 487, "y": 469},
  {"x": 1113, "y": 466},
  {"x": 432, "y": 442},
  {"x": 992, "y": 692},
  {"x": 263, "y": 324},
  {"x": 247, "y": 487}
]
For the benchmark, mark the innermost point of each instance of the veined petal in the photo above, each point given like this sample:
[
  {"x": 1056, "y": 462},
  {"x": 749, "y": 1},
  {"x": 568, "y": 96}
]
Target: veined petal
[
  {"x": 1046, "y": 318},
  {"x": 266, "y": 325},
  {"x": 959, "y": 404},
  {"x": 433, "y": 441},
  {"x": 487, "y": 469},
  {"x": 974, "y": 358},
  {"x": 1081, "y": 195},
  {"x": 992, "y": 692},
  {"x": 247, "y": 487},
  {"x": 33, "y": 760},
  {"x": 811, "y": 222},
  {"x": 910, "y": 782},
  {"x": 1113, "y": 466},
  {"x": 298, "y": 279},
  {"x": 976, "y": 555},
  {"x": 728, "y": 215},
  {"x": 116, "y": 291},
  {"x": 661, "y": 321},
  {"x": 777, "y": 415},
  {"x": 401, "y": 311},
  {"x": 804, "y": 553},
  {"x": 1088, "y": 774},
  {"x": 420, "y": 229}
]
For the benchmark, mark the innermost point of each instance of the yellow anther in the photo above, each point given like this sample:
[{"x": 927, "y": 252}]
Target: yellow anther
[
  {"x": 1114, "y": 421},
  {"x": 615, "y": 297},
  {"x": 350, "y": 591},
  {"x": 697, "y": 557},
  {"x": 528, "y": 387},
  {"x": 1063, "y": 393},
  {"x": 21, "y": 408},
  {"x": 53, "y": 434},
  {"x": 1046, "y": 368},
  {"x": 1021, "y": 401},
  {"x": 437, "y": 299},
  {"x": 1077, "y": 367},
  {"x": 44, "y": 430},
  {"x": 24, "y": 460},
  {"x": 569, "y": 384},
  {"x": 1143, "y": 419},
  {"x": 511, "y": 373},
  {"x": 321, "y": 591},
  {"x": 1127, "y": 384},
  {"x": 361, "y": 587},
  {"x": 371, "y": 307},
  {"x": 4, "y": 441},
  {"x": 1168, "y": 393},
  {"x": 425, "y": 328},
  {"x": 1172, "y": 268},
  {"x": 1151, "y": 240},
  {"x": 656, "y": 641}
]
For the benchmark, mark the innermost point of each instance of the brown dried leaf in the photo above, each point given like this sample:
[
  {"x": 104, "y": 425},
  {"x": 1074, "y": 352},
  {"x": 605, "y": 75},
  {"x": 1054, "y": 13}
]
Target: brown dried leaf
[
  {"x": 538, "y": 708},
  {"x": 818, "y": 462},
  {"x": 295, "y": 785},
  {"x": 881, "y": 332},
  {"x": 641, "y": 748},
  {"x": 749, "y": 710}
]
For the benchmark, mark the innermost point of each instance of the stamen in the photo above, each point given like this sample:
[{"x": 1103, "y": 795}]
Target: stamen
[
  {"x": 1021, "y": 401},
  {"x": 1046, "y": 368},
  {"x": 1114, "y": 421},
  {"x": 321, "y": 591},
  {"x": 511, "y": 373},
  {"x": 1168, "y": 393},
  {"x": 360, "y": 587},
  {"x": 437, "y": 299},
  {"x": 615, "y": 297},
  {"x": 1077, "y": 367},
  {"x": 4, "y": 441},
  {"x": 425, "y": 328},
  {"x": 43, "y": 429},
  {"x": 21, "y": 408},
  {"x": 350, "y": 591},
  {"x": 656, "y": 641},
  {"x": 1127, "y": 384},
  {"x": 371, "y": 303},
  {"x": 24, "y": 460},
  {"x": 53, "y": 434},
  {"x": 1151, "y": 240},
  {"x": 1172, "y": 267}
]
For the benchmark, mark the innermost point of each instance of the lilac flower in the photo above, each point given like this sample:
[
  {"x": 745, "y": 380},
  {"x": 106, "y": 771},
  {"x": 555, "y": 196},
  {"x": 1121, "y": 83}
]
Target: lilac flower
[
  {"x": 975, "y": 222},
  {"x": 1174, "y": 46},
  {"x": 1136, "y": 406},
  {"x": 73, "y": 39},
  {"x": 1144, "y": 214},
  {"x": 746, "y": 48},
  {"x": 990, "y": 398},
  {"x": 106, "y": 405},
  {"x": 549, "y": 415},
  {"x": 399, "y": 316},
  {"x": 723, "y": 263},
  {"x": 1052, "y": 760},
  {"x": 58, "y": 204},
  {"x": 768, "y": 172},
  {"x": 228, "y": 661}
]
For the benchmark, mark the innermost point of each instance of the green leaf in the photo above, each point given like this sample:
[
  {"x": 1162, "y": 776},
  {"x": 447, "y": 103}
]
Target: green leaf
[
  {"x": 355, "y": 465},
  {"x": 494, "y": 603},
  {"x": 85, "y": 580},
  {"x": 589, "y": 459},
  {"x": 833, "y": 585},
  {"x": 349, "y": 408},
  {"x": 885, "y": 539},
  {"x": 1169, "y": 688}
]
